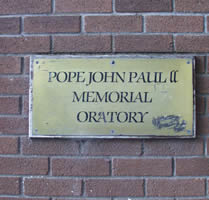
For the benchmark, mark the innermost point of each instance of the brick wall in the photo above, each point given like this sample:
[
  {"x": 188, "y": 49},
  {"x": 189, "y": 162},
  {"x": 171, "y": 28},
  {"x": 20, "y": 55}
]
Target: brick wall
[{"x": 100, "y": 169}]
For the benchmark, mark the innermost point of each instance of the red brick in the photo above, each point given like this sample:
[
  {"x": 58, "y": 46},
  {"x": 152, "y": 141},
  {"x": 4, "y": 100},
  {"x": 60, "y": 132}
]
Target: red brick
[
  {"x": 200, "y": 64},
  {"x": 13, "y": 125},
  {"x": 175, "y": 24},
  {"x": 10, "y": 25},
  {"x": 39, "y": 44},
  {"x": 192, "y": 166},
  {"x": 111, "y": 147},
  {"x": 52, "y": 187},
  {"x": 24, "y": 166},
  {"x": 173, "y": 147},
  {"x": 113, "y": 23},
  {"x": 9, "y": 105},
  {"x": 143, "y": 43},
  {"x": 52, "y": 24},
  {"x": 202, "y": 125},
  {"x": 192, "y": 44},
  {"x": 192, "y": 6},
  {"x": 8, "y": 145},
  {"x": 25, "y": 6},
  {"x": 49, "y": 147},
  {"x": 26, "y": 65},
  {"x": 86, "y": 44},
  {"x": 200, "y": 103},
  {"x": 26, "y": 105},
  {"x": 9, "y": 185},
  {"x": 143, "y": 5},
  {"x": 79, "y": 6},
  {"x": 175, "y": 187},
  {"x": 202, "y": 84},
  {"x": 80, "y": 167},
  {"x": 10, "y": 65},
  {"x": 114, "y": 187},
  {"x": 207, "y": 24},
  {"x": 142, "y": 167},
  {"x": 13, "y": 85}
]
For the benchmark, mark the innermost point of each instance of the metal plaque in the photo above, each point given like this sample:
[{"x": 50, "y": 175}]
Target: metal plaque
[{"x": 111, "y": 97}]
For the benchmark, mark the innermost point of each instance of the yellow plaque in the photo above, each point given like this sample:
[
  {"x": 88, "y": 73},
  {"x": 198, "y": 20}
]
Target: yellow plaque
[{"x": 111, "y": 97}]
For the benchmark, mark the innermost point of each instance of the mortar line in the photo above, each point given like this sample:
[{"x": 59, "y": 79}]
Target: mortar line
[
  {"x": 21, "y": 25},
  {"x": 125, "y": 178},
  {"x": 21, "y": 186},
  {"x": 113, "y": 43},
  {"x": 80, "y": 148},
  {"x": 19, "y": 146},
  {"x": 174, "y": 42},
  {"x": 14, "y": 75},
  {"x": 22, "y": 68},
  {"x": 49, "y": 166},
  {"x": 111, "y": 167},
  {"x": 20, "y": 115},
  {"x": 94, "y": 157},
  {"x": 53, "y": 6},
  {"x": 113, "y": 7},
  {"x": 205, "y": 24},
  {"x": 205, "y": 106},
  {"x": 21, "y": 105},
  {"x": 82, "y": 188},
  {"x": 51, "y": 45},
  {"x": 47, "y": 34},
  {"x": 108, "y": 54},
  {"x": 205, "y": 146},
  {"x": 174, "y": 6},
  {"x": 173, "y": 167},
  {"x": 129, "y": 54},
  {"x": 103, "y": 198},
  {"x": 82, "y": 24},
  {"x": 142, "y": 147},
  {"x": 145, "y": 187},
  {"x": 144, "y": 24}
]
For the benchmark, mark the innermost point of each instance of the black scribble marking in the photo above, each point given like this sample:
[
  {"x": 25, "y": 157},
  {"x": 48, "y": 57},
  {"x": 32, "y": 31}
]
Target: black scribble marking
[{"x": 171, "y": 121}]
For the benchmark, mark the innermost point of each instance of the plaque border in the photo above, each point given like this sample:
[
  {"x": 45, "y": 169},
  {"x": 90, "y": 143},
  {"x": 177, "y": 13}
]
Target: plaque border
[{"x": 33, "y": 57}]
